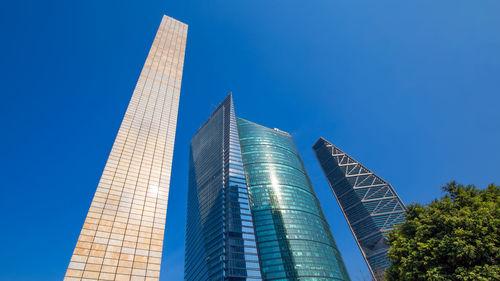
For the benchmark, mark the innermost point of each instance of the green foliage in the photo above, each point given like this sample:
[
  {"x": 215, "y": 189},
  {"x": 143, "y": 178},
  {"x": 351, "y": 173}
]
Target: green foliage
[{"x": 455, "y": 238}]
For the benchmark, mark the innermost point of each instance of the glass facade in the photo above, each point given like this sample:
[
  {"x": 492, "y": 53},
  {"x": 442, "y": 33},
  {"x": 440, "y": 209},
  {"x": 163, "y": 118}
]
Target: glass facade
[
  {"x": 252, "y": 211},
  {"x": 293, "y": 237},
  {"x": 220, "y": 239},
  {"x": 370, "y": 204}
]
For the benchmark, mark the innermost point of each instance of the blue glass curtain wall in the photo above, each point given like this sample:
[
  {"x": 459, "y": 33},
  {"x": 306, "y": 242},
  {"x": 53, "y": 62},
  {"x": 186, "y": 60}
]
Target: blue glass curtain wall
[{"x": 293, "y": 237}]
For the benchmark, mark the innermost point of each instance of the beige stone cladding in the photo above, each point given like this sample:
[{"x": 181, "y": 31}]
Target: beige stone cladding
[{"x": 122, "y": 237}]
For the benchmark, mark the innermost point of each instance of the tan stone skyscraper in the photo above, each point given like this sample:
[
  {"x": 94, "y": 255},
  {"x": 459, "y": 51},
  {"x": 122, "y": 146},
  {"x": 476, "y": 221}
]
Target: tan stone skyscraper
[{"x": 122, "y": 237}]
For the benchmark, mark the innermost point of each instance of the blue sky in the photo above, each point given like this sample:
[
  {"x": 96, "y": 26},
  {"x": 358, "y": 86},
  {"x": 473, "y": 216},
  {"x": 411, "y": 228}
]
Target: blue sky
[{"x": 409, "y": 88}]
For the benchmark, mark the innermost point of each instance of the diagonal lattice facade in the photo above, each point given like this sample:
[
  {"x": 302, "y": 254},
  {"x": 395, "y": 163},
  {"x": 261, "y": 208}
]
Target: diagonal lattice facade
[{"x": 369, "y": 203}]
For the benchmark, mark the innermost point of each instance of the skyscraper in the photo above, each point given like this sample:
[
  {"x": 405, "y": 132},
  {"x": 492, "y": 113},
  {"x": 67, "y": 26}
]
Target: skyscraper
[
  {"x": 122, "y": 236},
  {"x": 370, "y": 204},
  {"x": 252, "y": 211},
  {"x": 220, "y": 236}
]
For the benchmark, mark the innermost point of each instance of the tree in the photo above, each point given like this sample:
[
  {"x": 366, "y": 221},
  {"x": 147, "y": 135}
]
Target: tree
[{"x": 454, "y": 238}]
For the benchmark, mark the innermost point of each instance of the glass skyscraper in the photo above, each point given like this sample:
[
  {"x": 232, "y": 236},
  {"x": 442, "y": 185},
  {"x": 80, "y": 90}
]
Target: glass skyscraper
[
  {"x": 220, "y": 236},
  {"x": 252, "y": 211},
  {"x": 369, "y": 203},
  {"x": 122, "y": 236}
]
